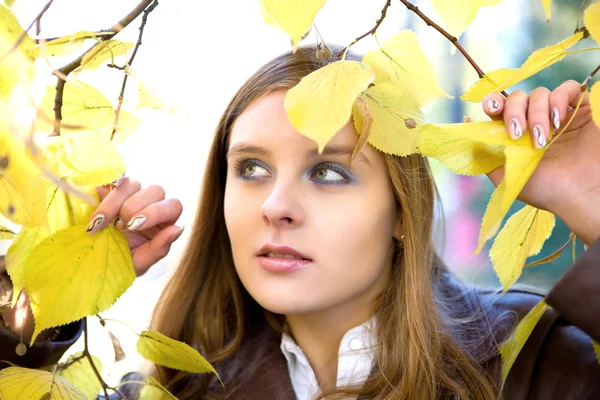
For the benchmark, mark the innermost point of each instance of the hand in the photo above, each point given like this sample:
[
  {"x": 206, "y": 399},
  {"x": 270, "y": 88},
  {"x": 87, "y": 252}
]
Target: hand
[
  {"x": 145, "y": 217},
  {"x": 567, "y": 180}
]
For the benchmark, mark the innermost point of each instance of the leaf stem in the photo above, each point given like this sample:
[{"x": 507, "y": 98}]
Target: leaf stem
[
  {"x": 116, "y": 320},
  {"x": 448, "y": 36},
  {"x": 371, "y": 31}
]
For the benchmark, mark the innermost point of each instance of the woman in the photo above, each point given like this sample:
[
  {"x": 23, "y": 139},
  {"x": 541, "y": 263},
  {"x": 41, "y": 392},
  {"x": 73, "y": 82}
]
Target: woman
[{"x": 308, "y": 276}]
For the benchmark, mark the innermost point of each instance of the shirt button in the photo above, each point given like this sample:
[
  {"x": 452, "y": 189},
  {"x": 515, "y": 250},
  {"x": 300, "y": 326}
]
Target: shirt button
[{"x": 356, "y": 344}]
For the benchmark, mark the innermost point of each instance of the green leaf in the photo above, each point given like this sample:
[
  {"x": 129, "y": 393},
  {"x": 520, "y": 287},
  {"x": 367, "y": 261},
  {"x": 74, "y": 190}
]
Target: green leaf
[
  {"x": 6, "y": 234},
  {"x": 72, "y": 264},
  {"x": 510, "y": 349},
  {"x": 81, "y": 375},
  {"x": 155, "y": 391},
  {"x": 18, "y": 383},
  {"x": 163, "y": 350},
  {"x": 104, "y": 51}
]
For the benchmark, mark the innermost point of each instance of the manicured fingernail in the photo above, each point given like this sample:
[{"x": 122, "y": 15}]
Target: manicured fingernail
[
  {"x": 95, "y": 225},
  {"x": 538, "y": 132},
  {"x": 555, "y": 118},
  {"x": 136, "y": 223},
  {"x": 516, "y": 128},
  {"x": 493, "y": 105},
  {"x": 176, "y": 235}
]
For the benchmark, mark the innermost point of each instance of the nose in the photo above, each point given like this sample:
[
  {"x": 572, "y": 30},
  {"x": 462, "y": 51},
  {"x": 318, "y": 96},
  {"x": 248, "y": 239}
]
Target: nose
[{"x": 282, "y": 207}]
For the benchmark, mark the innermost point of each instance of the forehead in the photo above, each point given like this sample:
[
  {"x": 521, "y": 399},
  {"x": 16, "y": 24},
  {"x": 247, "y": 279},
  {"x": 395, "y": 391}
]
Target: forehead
[{"x": 265, "y": 121}]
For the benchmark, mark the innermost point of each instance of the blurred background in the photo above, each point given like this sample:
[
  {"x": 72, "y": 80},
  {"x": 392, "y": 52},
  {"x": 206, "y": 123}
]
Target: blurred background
[{"x": 196, "y": 54}]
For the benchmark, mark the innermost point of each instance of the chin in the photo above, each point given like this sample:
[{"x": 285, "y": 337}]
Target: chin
[{"x": 287, "y": 304}]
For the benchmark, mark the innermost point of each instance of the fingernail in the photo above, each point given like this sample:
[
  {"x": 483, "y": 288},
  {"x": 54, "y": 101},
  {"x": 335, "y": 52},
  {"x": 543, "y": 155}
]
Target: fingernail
[
  {"x": 538, "y": 132},
  {"x": 136, "y": 223},
  {"x": 95, "y": 225},
  {"x": 493, "y": 105},
  {"x": 555, "y": 118},
  {"x": 176, "y": 235},
  {"x": 516, "y": 128}
]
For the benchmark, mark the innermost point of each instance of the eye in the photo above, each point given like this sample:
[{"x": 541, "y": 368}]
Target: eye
[
  {"x": 330, "y": 173},
  {"x": 251, "y": 169}
]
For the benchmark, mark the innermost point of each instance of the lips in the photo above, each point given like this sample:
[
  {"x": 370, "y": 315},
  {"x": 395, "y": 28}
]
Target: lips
[
  {"x": 278, "y": 251},
  {"x": 282, "y": 259}
]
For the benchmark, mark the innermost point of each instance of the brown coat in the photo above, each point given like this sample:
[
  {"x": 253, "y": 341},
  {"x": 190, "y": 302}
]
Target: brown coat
[{"x": 557, "y": 362}]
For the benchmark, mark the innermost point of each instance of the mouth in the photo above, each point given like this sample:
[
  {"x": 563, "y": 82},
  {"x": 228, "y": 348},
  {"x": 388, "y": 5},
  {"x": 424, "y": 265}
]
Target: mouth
[
  {"x": 281, "y": 252},
  {"x": 279, "y": 259}
]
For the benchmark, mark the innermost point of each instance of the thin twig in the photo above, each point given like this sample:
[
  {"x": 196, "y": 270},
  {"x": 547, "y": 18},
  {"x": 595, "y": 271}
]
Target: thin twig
[
  {"x": 448, "y": 36},
  {"x": 584, "y": 85},
  {"x": 147, "y": 11},
  {"x": 63, "y": 72},
  {"x": 580, "y": 13},
  {"x": 371, "y": 31}
]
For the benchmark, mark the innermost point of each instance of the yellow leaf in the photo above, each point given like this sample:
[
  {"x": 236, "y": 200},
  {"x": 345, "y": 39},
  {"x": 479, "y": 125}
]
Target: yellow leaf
[
  {"x": 521, "y": 162},
  {"x": 9, "y": 3},
  {"x": 510, "y": 349},
  {"x": 497, "y": 81},
  {"x": 490, "y": 132},
  {"x": 11, "y": 30},
  {"x": 22, "y": 196},
  {"x": 321, "y": 104},
  {"x": 18, "y": 253},
  {"x": 18, "y": 383},
  {"x": 6, "y": 234},
  {"x": 458, "y": 14},
  {"x": 402, "y": 62},
  {"x": 83, "y": 107},
  {"x": 104, "y": 51},
  {"x": 460, "y": 155},
  {"x": 596, "y": 349},
  {"x": 522, "y": 236},
  {"x": 81, "y": 375},
  {"x": 163, "y": 350},
  {"x": 293, "y": 17},
  {"x": 595, "y": 103},
  {"x": 84, "y": 158},
  {"x": 591, "y": 19},
  {"x": 73, "y": 274},
  {"x": 397, "y": 119},
  {"x": 66, "y": 210},
  {"x": 128, "y": 124},
  {"x": 67, "y": 44},
  {"x": 155, "y": 391},
  {"x": 547, "y": 8},
  {"x": 363, "y": 129}
]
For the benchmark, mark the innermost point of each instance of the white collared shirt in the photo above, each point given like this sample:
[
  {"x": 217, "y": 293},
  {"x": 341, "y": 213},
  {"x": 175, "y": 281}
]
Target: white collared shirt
[{"x": 355, "y": 361}]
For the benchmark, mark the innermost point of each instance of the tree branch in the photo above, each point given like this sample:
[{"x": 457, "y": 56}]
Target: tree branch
[
  {"x": 147, "y": 11},
  {"x": 63, "y": 72},
  {"x": 448, "y": 36},
  {"x": 585, "y": 83},
  {"x": 370, "y": 32}
]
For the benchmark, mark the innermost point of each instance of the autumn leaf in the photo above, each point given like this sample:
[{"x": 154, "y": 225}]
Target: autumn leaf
[
  {"x": 510, "y": 349},
  {"x": 458, "y": 14},
  {"x": 19, "y": 251},
  {"x": 80, "y": 374},
  {"x": 522, "y": 236},
  {"x": 591, "y": 19},
  {"x": 595, "y": 103},
  {"x": 402, "y": 62},
  {"x": 397, "y": 119},
  {"x": 293, "y": 17},
  {"x": 321, "y": 104},
  {"x": 66, "y": 210},
  {"x": 72, "y": 264},
  {"x": 102, "y": 52},
  {"x": 84, "y": 158},
  {"x": 497, "y": 81},
  {"x": 461, "y": 156},
  {"x": 521, "y": 162},
  {"x": 547, "y": 8},
  {"x": 489, "y": 132},
  {"x": 69, "y": 43},
  {"x": 163, "y": 350},
  {"x": 363, "y": 129},
  {"x": 18, "y": 383},
  {"x": 153, "y": 390},
  {"x": 6, "y": 233},
  {"x": 22, "y": 195}
]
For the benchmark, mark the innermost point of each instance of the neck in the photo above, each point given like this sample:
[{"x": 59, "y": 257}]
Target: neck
[{"x": 319, "y": 336}]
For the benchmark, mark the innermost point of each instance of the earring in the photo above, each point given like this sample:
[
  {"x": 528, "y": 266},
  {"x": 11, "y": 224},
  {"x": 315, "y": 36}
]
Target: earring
[{"x": 401, "y": 241}]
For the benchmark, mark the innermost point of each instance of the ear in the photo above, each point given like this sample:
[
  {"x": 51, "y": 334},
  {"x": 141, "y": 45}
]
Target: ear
[{"x": 398, "y": 229}]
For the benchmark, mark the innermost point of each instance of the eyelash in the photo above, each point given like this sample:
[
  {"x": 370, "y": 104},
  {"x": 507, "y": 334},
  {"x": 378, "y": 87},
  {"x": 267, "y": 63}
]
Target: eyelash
[{"x": 347, "y": 177}]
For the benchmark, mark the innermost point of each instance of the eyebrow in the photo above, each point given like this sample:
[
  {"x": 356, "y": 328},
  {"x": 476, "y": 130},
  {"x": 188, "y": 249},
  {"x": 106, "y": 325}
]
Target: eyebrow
[{"x": 333, "y": 150}]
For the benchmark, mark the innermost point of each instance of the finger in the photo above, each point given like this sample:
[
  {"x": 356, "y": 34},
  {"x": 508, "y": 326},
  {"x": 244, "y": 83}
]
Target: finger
[
  {"x": 139, "y": 201},
  {"x": 515, "y": 108},
  {"x": 165, "y": 212},
  {"x": 538, "y": 116},
  {"x": 561, "y": 98},
  {"x": 493, "y": 105},
  {"x": 109, "y": 207},
  {"x": 155, "y": 249}
]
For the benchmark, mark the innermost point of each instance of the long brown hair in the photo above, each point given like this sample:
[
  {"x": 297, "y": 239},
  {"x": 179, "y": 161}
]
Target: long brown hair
[{"x": 421, "y": 354}]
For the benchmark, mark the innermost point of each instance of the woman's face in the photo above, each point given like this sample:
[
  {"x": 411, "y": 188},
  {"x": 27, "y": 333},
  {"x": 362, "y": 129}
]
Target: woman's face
[{"x": 309, "y": 233}]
